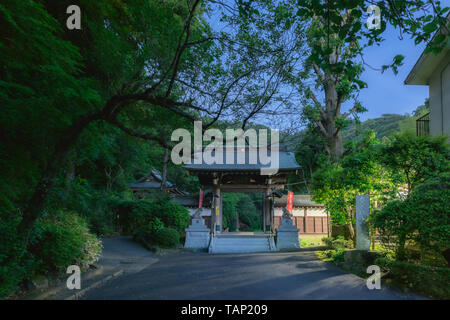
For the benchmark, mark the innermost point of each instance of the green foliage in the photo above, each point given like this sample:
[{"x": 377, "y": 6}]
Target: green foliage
[
  {"x": 432, "y": 281},
  {"x": 154, "y": 234},
  {"x": 310, "y": 154},
  {"x": 153, "y": 222},
  {"x": 422, "y": 218},
  {"x": 335, "y": 255},
  {"x": 64, "y": 239},
  {"x": 59, "y": 240},
  {"x": 336, "y": 184},
  {"x": 12, "y": 268},
  {"x": 337, "y": 243},
  {"x": 248, "y": 206},
  {"x": 166, "y": 237},
  {"x": 415, "y": 159},
  {"x": 133, "y": 214},
  {"x": 384, "y": 126}
]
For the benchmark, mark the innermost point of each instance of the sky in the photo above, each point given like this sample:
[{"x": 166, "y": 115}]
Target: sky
[{"x": 387, "y": 93}]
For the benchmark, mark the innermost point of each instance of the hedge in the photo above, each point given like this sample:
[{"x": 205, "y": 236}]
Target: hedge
[{"x": 427, "y": 280}]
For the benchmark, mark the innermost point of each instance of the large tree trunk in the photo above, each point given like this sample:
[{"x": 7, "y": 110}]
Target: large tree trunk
[
  {"x": 328, "y": 116},
  {"x": 336, "y": 145},
  {"x": 58, "y": 159}
]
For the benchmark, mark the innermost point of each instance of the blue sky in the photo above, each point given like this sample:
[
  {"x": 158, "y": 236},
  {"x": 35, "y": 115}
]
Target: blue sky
[{"x": 387, "y": 93}]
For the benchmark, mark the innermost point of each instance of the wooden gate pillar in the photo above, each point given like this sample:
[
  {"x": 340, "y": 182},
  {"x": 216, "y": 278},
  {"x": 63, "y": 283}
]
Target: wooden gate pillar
[
  {"x": 217, "y": 210},
  {"x": 267, "y": 211}
]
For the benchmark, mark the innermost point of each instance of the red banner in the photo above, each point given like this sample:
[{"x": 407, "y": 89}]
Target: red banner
[
  {"x": 200, "y": 200},
  {"x": 290, "y": 203}
]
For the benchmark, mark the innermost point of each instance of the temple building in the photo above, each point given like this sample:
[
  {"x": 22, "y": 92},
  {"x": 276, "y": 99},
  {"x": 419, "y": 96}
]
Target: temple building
[
  {"x": 152, "y": 182},
  {"x": 246, "y": 172}
]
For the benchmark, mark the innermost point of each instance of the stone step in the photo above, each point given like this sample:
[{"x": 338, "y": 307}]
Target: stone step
[{"x": 243, "y": 244}]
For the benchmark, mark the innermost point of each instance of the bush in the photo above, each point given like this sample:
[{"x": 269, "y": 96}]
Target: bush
[
  {"x": 337, "y": 243},
  {"x": 335, "y": 255},
  {"x": 423, "y": 218},
  {"x": 14, "y": 267},
  {"x": 162, "y": 237},
  {"x": 135, "y": 214},
  {"x": 58, "y": 240},
  {"x": 167, "y": 237},
  {"x": 427, "y": 280},
  {"x": 64, "y": 239}
]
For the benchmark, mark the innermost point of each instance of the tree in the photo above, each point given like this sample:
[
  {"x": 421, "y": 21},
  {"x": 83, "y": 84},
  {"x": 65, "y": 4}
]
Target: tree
[
  {"x": 336, "y": 184},
  {"x": 423, "y": 217},
  {"x": 325, "y": 41},
  {"x": 414, "y": 159},
  {"x": 310, "y": 154},
  {"x": 142, "y": 67}
]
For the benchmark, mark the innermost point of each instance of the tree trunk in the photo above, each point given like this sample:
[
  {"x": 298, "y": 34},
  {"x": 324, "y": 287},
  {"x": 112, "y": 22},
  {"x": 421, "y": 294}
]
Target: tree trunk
[
  {"x": 351, "y": 232},
  {"x": 56, "y": 161},
  {"x": 70, "y": 175},
  {"x": 336, "y": 145}
]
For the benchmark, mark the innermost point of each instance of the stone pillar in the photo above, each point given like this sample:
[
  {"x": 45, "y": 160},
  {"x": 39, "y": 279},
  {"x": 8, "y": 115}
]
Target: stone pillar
[
  {"x": 197, "y": 235},
  {"x": 287, "y": 233},
  {"x": 362, "y": 232}
]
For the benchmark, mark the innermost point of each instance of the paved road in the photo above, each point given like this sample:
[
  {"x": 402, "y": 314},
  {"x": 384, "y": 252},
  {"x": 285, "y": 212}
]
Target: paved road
[
  {"x": 188, "y": 275},
  {"x": 123, "y": 253}
]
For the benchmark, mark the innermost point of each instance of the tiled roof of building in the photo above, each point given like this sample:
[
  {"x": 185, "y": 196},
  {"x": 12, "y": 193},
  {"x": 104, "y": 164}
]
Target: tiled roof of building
[{"x": 286, "y": 161}]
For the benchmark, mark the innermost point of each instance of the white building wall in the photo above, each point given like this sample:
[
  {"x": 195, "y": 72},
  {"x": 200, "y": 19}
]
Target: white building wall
[{"x": 439, "y": 91}]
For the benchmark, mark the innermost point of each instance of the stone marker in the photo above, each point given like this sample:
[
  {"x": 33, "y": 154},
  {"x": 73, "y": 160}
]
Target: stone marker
[
  {"x": 197, "y": 234},
  {"x": 287, "y": 233},
  {"x": 362, "y": 232}
]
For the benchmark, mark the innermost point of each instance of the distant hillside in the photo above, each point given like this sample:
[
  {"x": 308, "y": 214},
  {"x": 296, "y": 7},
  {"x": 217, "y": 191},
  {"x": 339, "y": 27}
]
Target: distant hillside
[
  {"x": 384, "y": 126},
  {"x": 388, "y": 124}
]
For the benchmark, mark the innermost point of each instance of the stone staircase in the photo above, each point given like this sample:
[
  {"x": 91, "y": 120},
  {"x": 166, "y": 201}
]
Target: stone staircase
[{"x": 241, "y": 242}]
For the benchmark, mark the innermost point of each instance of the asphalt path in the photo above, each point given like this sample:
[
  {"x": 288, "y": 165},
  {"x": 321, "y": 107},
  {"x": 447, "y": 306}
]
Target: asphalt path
[{"x": 280, "y": 275}]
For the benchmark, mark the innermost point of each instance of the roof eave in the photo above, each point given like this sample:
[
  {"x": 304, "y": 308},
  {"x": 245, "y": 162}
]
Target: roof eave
[{"x": 426, "y": 64}]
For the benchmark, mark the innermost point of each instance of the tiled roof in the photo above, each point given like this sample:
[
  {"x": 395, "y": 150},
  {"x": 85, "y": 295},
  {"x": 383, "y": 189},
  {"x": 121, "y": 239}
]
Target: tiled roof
[{"x": 287, "y": 161}]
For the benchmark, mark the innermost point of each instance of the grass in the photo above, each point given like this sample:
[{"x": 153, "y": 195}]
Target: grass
[{"x": 310, "y": 240}]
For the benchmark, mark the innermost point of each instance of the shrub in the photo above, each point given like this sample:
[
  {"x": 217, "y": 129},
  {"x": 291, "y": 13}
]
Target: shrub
[
  {"x": 162, "y": 237},
  {"x": 167, "y": 237},
  {"x": 14, "y": 266},
  {"x": 428, "y": 280},
  {"x": 335, "y": 255},
  {"x": 338, "y": 254},
  {"x": 64, "y": 239},
  {"x": 135, "y": 214},
  {"x": 174, "y": 215},
  {"x": 424, "y": 218},
  {"x": 337, "y": 243},
  {"x": 58, "y": 241}
]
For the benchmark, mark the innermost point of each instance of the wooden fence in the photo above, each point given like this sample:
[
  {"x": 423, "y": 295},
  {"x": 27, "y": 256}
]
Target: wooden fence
[{"x": 308, "y": 225}]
